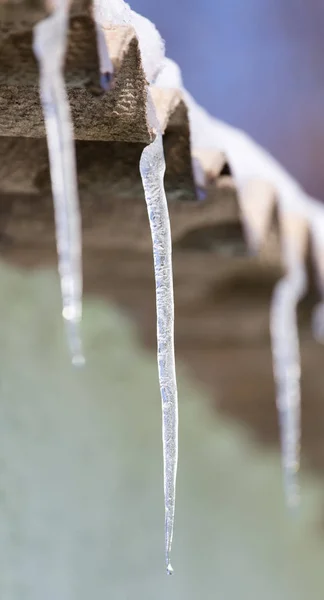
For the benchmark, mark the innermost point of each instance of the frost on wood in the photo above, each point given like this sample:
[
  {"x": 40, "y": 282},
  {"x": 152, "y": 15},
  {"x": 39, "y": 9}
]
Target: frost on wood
[
  {"x": 50, "y": 39},
  {"x": 152, "y": 168}
]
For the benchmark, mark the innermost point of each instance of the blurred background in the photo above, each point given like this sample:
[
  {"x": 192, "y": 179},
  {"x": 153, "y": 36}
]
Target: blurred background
[
  {"x": 258, "y": 65},
  {"x": 81, "y": 495}
]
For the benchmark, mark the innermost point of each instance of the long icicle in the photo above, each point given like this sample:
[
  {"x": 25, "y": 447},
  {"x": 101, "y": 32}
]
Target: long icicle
[
  {"x": 50, "y": 41},
  {"x": 286, "y": 365},
  {"x": 152, "y": 169}
]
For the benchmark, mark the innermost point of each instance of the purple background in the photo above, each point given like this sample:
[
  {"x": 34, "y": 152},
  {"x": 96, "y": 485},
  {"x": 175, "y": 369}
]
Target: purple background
[{"x": 258, "y": 64}]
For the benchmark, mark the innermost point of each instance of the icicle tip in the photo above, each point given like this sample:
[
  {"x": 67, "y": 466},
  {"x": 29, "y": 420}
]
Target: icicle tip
[
  {"x": 293, "y": 496},
  {"x": 169, "y": 569},
  {"x": 293, "y": 500},
  {"x": 78, "y": 360},
  {"x": 72, "y": 323}
]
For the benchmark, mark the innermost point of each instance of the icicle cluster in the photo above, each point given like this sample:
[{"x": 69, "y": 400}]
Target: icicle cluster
[
  {"x": 50, "y": 39},
  {"x": 247, "y": 160}
]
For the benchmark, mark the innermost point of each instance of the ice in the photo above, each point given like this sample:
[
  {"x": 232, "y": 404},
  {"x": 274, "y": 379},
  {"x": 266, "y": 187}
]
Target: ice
[
  {"x": 105, "y": 62},
  {"x": 50, "y": 38},
  {"x": 317, "y": 232},
  {"x": 152, "y": 169},
  {"x": 118, "y": 12},
  {"x": 169, "y": 75},
  {"x": 246, "y": 158},
  {"x": 286, "y": 367},
  {"x": 248, "y": 161}
]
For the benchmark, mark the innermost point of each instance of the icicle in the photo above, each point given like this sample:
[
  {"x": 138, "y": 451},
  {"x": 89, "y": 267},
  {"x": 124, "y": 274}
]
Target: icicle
[
  {"x": 50, "y": 39},
  {"x": 152, "y": 168},
  {"x": 106, "y": 65},
  {"x": 286, "y": 365},
  {"x": 317, "y": 229},
  {"x": 318, "y": 322}
]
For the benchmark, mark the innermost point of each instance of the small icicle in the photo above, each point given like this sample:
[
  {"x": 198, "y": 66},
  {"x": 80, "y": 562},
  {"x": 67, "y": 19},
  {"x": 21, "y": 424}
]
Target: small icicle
[
  {"x": 152, "y": 169},
  {"x": 318, "y": 323},
  {"x": 50, "y": 40},
  {"x": 286, "y": 365},
  {"x": 317, "y": 231}
]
